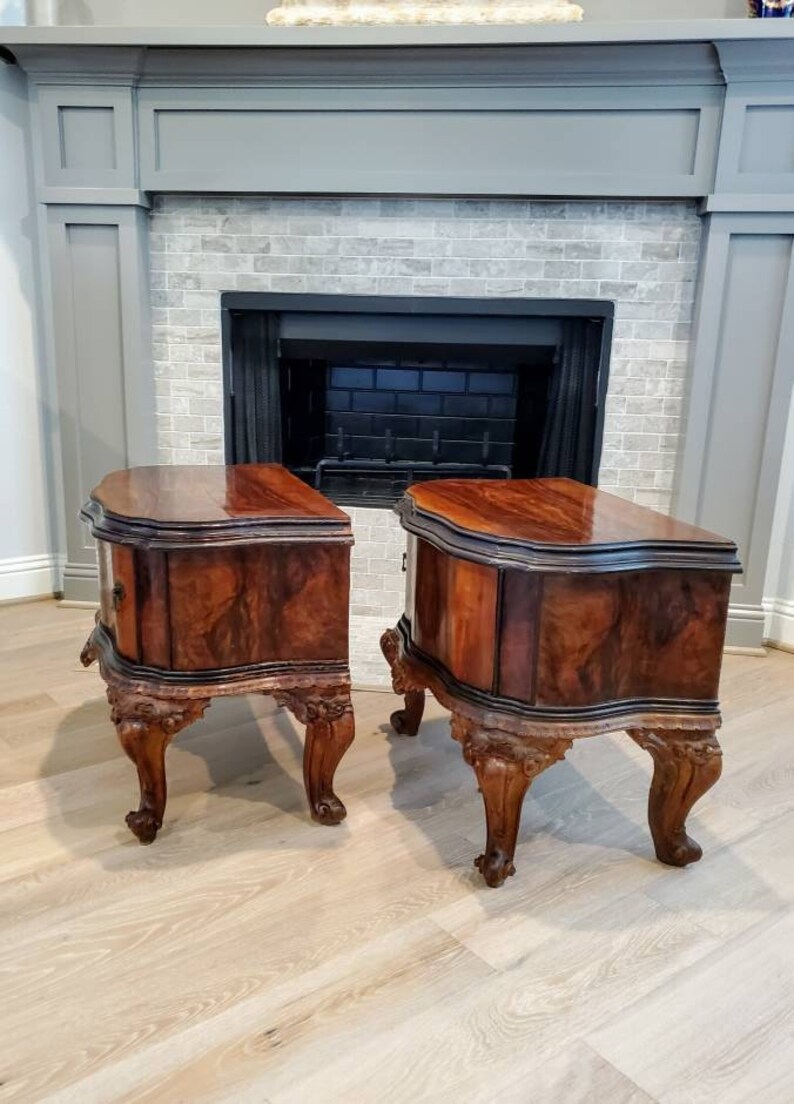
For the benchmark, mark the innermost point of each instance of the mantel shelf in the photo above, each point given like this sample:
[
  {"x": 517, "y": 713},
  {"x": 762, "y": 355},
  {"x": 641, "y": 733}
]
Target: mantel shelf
[{"x": 585, "y": 33}]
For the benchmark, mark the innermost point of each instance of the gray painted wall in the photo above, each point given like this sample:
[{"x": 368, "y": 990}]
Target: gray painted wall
[{"x": 27, "y": 540}]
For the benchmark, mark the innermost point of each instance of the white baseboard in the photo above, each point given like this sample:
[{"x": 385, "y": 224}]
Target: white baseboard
[
  {"x": 779, "y": 622},
  {"x": 30, "y": 577}
]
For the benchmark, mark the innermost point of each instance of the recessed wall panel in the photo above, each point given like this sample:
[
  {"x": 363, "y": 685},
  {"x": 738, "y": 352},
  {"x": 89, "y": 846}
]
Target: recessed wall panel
[
  {"x": 615, "y": 151},
  {"x": 87, "y": 137},
  {"x": 752, "y": 310},
  {"x": 768, "y": 141},
  {"x": 94, "y": 397}
]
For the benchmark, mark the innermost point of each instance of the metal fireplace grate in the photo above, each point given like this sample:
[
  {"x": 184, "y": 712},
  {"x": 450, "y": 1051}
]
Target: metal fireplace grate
[{"x": 392, "y": 421}]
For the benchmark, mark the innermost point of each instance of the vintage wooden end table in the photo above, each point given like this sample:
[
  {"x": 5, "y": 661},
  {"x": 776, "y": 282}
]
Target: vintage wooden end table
[
  {"x": 539, "y": 611},
  {"x": 217, "y": 581}
]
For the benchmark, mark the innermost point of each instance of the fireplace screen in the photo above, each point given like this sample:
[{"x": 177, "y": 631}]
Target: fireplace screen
[{"x": 362, "y": 396}]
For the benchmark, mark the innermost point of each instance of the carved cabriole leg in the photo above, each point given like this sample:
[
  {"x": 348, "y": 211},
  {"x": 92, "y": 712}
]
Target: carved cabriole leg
[
  {"x": 506, "y": 765},
  {"x": 685, "y": 766},
  {"x": 145, "y": 727},
  {"x": 330, "y": 729},
  {"x": 405, "y": 722}
]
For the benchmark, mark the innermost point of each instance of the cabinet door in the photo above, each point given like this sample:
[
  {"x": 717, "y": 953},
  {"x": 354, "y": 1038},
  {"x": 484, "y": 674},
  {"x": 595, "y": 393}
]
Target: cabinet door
[
  {"x": 633, "y": 635},
  {"x": 121, "y": 597},
  {"x": 258, "y": 604},
  {"x": 455, "y": 614}
]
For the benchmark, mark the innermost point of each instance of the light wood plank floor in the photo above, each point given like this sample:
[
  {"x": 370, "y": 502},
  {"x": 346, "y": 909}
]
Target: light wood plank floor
[{"x": 249, "y": 955}]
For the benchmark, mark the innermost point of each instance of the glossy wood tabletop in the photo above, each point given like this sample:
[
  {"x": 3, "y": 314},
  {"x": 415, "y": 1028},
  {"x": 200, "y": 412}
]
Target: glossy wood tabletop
[
  {"x": 557, "y": 512},
  {"x": 206, "y": 494}
]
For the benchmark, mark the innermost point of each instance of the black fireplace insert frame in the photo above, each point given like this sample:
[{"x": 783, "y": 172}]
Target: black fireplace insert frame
[{"x": 274, "y": 305}]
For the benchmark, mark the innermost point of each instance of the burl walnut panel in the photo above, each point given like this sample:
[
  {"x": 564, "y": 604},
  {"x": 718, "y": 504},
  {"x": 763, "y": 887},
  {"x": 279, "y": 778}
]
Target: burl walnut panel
[
  {"x": 205, "y": 609},
  {"x": 520, "y": 609},
  {"x": 571, "y": 640},
  {"x": 454, "y": 617},
  {"x": 644, "y": 634},
  {"x": 256, "y": 604},
  {"x": 154, "y": 617}
]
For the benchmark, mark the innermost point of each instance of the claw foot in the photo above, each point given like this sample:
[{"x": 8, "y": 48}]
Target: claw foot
[
  {"x": 496, "y": 868},
  {"x": 329, "y": 810},
  {"x": 143, "y": 824},
  {"x": 401, "y": 723},
  {"x": 680, "y": 851}
]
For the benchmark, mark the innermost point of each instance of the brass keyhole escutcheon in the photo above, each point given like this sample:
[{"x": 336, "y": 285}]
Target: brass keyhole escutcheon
[{"x": 118, "y": 593}]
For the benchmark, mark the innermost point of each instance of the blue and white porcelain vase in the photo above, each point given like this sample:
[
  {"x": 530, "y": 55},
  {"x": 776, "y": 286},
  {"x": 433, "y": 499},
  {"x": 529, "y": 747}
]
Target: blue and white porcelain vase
[{"x": 771, "y": 9}]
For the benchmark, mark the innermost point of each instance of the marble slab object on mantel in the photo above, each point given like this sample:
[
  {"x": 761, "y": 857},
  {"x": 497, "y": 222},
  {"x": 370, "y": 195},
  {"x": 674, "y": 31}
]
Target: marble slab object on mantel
[{"x": 341, "y": 13}]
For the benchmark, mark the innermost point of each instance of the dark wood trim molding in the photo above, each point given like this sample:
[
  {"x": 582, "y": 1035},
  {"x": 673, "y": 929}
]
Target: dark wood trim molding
[
  {"x": 108, "y": 526},
  {"x": 607, "y": 717},
  {"x": 251, "y": 678},
  {"x": 525, "y": 555}
]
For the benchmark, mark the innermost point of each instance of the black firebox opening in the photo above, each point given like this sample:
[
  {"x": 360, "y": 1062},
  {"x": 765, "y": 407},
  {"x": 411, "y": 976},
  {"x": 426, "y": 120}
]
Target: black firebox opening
[{"x": 362, "y": 396}]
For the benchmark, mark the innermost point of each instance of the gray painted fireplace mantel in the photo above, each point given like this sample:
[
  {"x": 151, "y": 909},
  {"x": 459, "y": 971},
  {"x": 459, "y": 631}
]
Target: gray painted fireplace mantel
[{"x": 699, "y": 109}]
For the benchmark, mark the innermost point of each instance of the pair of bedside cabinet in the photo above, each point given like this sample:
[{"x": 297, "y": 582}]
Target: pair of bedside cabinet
[{"x": 537, "y": 612}]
